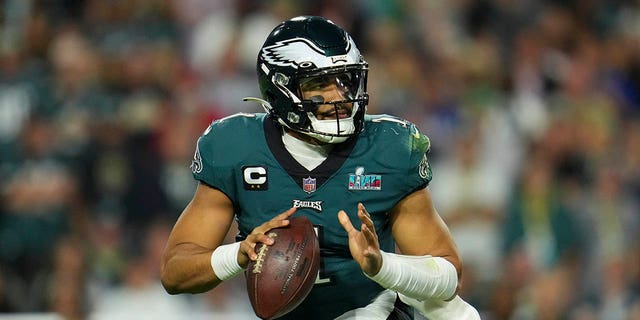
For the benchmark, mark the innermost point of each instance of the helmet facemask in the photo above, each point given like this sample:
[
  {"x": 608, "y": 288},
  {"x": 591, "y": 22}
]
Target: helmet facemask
[{"x": 333, "y": 101}]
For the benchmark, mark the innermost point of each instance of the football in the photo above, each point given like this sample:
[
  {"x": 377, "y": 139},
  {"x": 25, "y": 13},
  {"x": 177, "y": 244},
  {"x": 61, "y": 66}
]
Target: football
[{"x": 284, "y": 272}]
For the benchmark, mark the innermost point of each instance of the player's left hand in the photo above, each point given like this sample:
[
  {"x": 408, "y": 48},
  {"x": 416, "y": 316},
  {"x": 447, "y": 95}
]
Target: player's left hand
[{"x": 363, "y": 243}]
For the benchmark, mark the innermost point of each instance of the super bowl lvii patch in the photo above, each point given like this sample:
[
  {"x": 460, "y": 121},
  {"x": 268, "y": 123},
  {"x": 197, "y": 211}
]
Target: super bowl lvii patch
[{"x": 361, "y": 181}]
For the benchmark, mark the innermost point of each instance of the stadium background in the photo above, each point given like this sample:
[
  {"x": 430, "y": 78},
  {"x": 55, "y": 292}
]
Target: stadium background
[{"x": 532, "y": 108}]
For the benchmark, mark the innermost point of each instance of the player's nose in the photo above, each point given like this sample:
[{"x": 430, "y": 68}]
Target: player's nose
[{"x": 335, "y": 94}]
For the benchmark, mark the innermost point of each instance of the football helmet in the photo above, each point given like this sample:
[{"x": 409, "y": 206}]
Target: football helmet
[{"x": 307, "y": 52}]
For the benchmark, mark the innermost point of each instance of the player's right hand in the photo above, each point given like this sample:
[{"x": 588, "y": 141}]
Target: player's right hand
[{"x": 258, "y": 235}]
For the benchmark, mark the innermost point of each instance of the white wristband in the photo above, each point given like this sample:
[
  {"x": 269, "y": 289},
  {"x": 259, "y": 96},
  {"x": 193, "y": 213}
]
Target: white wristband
[
  {"x": 224, "y": 261},
  {"x": 418, "y": 277}
]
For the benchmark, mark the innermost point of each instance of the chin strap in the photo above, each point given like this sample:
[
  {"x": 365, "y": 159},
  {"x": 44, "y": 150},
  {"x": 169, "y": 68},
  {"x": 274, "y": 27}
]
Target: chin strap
[
  {"x": 328, "y": 123},
  {"x": 325, "y": 138}
]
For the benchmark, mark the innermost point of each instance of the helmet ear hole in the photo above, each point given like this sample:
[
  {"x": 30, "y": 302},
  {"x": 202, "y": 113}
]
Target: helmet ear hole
[{"x": 270, "y": 96}]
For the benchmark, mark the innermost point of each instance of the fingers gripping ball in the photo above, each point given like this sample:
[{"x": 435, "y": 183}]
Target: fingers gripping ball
[{"x": 283, "y": 274}]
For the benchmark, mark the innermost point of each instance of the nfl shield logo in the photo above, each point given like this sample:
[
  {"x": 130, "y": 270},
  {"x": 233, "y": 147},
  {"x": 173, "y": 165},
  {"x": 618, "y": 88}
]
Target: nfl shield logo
[{"x": 309, "y": 184}]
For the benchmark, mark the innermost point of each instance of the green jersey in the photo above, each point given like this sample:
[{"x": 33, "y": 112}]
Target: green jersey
[{"x": 244, "y": 157}]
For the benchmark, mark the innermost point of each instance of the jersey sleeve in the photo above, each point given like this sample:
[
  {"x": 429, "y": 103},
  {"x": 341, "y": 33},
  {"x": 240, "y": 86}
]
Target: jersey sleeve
[
  {"x": 210, "y": 163},
  {"x": 419, "y": 170}
]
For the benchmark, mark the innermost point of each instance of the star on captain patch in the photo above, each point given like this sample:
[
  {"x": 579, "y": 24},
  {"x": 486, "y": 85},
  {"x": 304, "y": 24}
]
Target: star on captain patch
[{"x": 309, "y": 184}]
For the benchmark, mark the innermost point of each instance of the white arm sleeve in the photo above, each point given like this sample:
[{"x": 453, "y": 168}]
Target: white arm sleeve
[{"x": 417, "y": 277}]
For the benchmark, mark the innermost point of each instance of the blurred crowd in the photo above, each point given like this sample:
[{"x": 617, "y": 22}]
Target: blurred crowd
[{"x": 532, "y": 107}]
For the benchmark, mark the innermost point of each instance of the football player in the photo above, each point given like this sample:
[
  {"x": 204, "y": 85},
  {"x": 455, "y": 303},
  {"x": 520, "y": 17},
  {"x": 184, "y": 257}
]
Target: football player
[{"x": 361, "y": 179}]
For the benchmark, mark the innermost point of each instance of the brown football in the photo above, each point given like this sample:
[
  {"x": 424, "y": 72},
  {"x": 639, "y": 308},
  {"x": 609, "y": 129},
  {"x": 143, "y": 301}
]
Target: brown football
[{"x": 283, "y": 274}]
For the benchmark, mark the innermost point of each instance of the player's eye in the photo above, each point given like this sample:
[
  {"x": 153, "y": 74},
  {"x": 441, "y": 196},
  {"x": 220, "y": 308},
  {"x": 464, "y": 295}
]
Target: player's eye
[{"x": 315, "y": 84}]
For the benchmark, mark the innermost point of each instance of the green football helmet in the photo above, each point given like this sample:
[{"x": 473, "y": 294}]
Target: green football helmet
[{"x": 312, "y": 50}]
